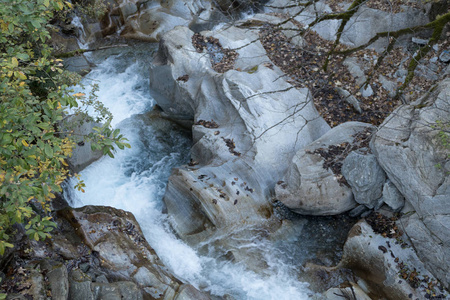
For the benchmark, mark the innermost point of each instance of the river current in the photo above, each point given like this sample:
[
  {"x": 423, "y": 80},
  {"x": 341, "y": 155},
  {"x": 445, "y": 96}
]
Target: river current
[{"x": 136, "y": 178}]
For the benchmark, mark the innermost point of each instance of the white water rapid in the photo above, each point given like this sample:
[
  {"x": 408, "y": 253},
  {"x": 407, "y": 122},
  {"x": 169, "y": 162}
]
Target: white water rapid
[{"x": 135, "y": 181}]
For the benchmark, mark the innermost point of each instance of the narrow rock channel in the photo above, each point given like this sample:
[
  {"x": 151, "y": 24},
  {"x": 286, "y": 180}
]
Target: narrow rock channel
[{"x": 136, "y": 178}]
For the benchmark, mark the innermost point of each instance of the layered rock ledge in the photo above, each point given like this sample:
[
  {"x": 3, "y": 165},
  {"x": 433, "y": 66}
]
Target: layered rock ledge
[{"x": 249, "y": 123}]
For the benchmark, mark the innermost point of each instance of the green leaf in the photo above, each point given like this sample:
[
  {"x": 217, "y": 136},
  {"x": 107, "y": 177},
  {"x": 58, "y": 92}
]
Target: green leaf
[
  {"x": 6, "y": 139},
  {"x": 36, "y": 24},
  {"x": 23, "y": 56},
  {"x": 47, "y": 136},
  {"x": 48, "y": 150},
  {"x": 3, "y": 246},
  {"x": 15, "y": 62}
]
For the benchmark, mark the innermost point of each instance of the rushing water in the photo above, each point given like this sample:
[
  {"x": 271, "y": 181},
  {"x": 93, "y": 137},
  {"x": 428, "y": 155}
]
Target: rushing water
[{"x": 135, "y": 181}]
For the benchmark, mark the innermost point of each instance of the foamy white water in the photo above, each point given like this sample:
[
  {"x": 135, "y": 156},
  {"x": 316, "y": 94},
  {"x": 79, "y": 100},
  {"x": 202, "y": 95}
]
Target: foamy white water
[{"x": 136, "y": 178}]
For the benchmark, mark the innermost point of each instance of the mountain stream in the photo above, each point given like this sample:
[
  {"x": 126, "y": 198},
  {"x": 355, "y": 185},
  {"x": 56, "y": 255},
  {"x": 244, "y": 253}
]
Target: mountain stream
[{"x": 135, "y": 181}]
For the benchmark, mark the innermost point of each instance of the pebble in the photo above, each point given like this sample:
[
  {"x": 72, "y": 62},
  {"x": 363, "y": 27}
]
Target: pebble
[
  {"x": 419, "y": 41},
  {"x": 445, "y": 56}
]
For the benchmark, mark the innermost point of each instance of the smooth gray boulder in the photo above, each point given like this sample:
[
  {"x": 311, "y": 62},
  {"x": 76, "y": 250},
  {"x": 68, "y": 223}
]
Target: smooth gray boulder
[
  {"x": 59, "y": 282},
  {"x": 365, "y": 176},
  {"x": 445, "y": 56},
  {"x": 410, "y": 149},
  {"x": 349, "y": 98},
  {"x": 80, "y": 286},
  {"x": 82, "y": 154},
  {"x": 388, "y": 85},
  {"x": 249, "y": 123},
  {"x": 364, "y": 24},
  {"x": 351, "y": 292},
  {"x": 308, "y": 187},
  {"x": 392, "y": 196},
  {"x": 116, "y": 290},
  {"x": 391, "y": 270},
  {"x": 432, "y": 249},
  {"x": 63, "y": 44},
  {"x": 149, "y": 20}
]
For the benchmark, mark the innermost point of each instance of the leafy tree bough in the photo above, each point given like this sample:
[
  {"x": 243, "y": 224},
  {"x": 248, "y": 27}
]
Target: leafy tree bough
[{"x": 34, "y": 97}]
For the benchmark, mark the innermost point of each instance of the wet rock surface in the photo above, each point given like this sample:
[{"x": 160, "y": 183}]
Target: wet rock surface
[
  {"x": 82, "y": 155},
  {"x": 67, "y": 45},
  {"x": 219, "y": 188},
  {"x": 106, "y": 259},
  {"x": 96, "y": 253}
]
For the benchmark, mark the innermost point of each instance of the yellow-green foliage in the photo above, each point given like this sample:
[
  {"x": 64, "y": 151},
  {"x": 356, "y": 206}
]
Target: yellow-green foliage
[{"x": 34, "y": 94}]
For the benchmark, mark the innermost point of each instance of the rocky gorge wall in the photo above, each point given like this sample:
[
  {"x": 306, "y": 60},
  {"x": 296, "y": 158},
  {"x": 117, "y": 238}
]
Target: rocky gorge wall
[
  {"x": 385, "y": 168},
  {"x": 258, "y": 138}
]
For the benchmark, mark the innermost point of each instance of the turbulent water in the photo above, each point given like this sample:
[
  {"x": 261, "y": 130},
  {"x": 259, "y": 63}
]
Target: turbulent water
[{"x": 135, "y": 181}]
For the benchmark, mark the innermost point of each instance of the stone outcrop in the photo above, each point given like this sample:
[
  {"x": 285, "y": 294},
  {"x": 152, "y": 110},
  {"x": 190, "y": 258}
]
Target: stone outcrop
[
  {"x": 310, "y": 186},
  {"x": 63, "y": 44},
  {"x": 96, "y": 253},
  {"x": 82, "y": 154},
  {"x": 346, "y": 293},
  {"x": 149, "y": 21},
  {"x": 410, "y": 150},
  {"x": 389, "y": 268},
  {"x": 249, "y": 122},
  {"x": 251, "y": 127},
  {"x": 364, "y": 24},
  {"x": 117, "y": 241},
  {"x": 365, "y": 176},
  {"x": 392, "y": 196}
]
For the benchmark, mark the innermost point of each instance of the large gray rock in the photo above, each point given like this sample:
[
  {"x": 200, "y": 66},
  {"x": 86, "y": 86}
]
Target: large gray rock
[
  {"x": 346, "y": 293},
  {"x": 433, "y": 249},
  {"x": 365, "y": 176},
  {"x": 390, "y": 270},
  {"x": 149, "y": 20},
  {"x": 261, "y": 121},
  {"x": 124, "y": 254},
  {"x": 364, "y": 25},
  {"x": 80, "y": 286},
  {"x": 116, "y": 291},
  {"x": 309, "y": 188},
  {"x": 189, "y": 292},
  {"x": 410, "y": 150},
  {"x": 82, "y": 154},
  {"x": 59, "y": 282},
  {"x": 392, "y": 196},
  {"x": 63, "y": 44}
]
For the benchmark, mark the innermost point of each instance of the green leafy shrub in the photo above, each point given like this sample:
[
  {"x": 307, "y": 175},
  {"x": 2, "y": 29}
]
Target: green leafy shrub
[{"x": 34, "y": 96}]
